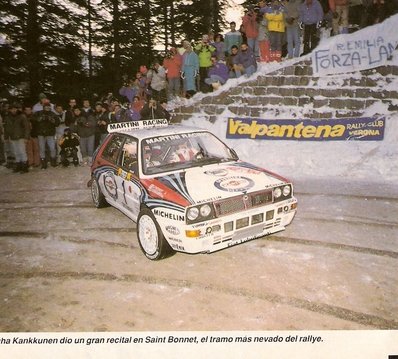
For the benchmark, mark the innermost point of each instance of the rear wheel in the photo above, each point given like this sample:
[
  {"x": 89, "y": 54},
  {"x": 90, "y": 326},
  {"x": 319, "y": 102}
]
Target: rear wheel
[
  {"x": 150, "y": 237},
  {"x": 97, "y": 195}
]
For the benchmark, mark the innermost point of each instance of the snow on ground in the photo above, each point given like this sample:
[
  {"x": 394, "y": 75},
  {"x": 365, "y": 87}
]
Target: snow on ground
[{"x": 372, "y": 161}]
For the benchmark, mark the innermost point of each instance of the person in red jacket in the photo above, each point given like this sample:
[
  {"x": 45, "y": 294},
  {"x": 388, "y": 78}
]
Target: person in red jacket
[
  {"x": 339, "y": 10},
  {"x": 250, "y": 27},
  {"x": 172, "y": 64}
]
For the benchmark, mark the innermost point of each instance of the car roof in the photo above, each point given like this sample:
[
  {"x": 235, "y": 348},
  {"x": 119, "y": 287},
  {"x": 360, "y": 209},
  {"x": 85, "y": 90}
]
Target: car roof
[{"x": 159, "y": 131}]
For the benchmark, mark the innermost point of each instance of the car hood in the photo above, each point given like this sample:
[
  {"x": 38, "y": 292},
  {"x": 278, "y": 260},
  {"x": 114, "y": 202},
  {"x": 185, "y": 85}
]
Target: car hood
[{"x": 215, "y": 182}]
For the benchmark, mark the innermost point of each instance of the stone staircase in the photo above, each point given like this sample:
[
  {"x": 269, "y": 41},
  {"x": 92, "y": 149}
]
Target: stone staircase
[{"x": 334, "y": 96}]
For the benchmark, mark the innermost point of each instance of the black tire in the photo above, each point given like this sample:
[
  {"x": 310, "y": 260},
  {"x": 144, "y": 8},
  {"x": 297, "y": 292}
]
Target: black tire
[
  {"x": 97, "y": 195},
  {"x": 150, "y": 237}
]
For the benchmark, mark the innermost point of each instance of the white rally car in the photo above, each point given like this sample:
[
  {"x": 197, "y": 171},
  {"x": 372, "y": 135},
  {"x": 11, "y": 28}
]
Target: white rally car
[{"x": 186, "y": 190}]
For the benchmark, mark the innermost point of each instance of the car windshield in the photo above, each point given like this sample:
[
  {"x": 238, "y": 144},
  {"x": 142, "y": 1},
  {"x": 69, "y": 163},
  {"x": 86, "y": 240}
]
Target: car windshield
[{"x": 182, "y": 151}]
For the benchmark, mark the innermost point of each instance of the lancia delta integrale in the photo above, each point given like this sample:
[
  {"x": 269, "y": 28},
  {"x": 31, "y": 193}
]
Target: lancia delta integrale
[{"x": 186, "y": 190}]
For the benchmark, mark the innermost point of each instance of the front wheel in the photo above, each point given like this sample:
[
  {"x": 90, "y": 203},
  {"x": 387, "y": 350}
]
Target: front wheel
[{"x": 150, "y": 237}]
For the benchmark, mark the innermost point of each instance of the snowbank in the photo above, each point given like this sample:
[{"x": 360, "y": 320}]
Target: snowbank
[{"x": 373, "y": 161}]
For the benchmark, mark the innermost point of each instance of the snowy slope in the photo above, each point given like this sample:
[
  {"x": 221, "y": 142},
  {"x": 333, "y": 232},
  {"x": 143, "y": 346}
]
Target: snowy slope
[{"x": 373, "y": 161}]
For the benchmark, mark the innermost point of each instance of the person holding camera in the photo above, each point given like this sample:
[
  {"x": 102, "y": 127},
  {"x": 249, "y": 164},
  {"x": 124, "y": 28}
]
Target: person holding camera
[
  {"x": 153, "y": 110},
  {"x": 204, "y": 51},
  {"x": 156, "y": 78},
  {"x": 44, "y": 124},
  {"x": 69, "y": 143}
]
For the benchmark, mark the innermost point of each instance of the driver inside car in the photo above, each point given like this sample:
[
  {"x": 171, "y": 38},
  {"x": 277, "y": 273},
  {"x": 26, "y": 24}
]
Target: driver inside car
[
  {"x": 151, "y": 155},
  {"x": 129, "y": 155},
  {"x": 184, "y": 152}
]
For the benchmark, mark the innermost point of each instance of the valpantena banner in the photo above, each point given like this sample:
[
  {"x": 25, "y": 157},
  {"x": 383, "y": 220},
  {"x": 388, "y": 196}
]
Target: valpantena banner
[
  {"x": 342, "y": 129},
  {"x": 368, "y": 48}
]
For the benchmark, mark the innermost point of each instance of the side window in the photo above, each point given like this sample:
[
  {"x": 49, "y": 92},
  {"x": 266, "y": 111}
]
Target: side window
[
  {"x": 129, "y": 155},
  {"x": 112, "y": 149}
]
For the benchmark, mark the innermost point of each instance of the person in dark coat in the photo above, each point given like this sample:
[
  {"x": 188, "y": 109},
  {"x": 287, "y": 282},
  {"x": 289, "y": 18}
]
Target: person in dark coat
[
  {"x": 69, "y": 143},
  {"x": 17, "y": 131},
  {"x": 153, "y": 110},
  {"x": 85, "y": 128},
  {"x": 44, "y": 124}
]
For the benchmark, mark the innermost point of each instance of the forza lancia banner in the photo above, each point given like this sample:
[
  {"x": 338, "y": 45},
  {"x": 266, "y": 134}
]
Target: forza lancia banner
[{"x": 365, "y": 49}]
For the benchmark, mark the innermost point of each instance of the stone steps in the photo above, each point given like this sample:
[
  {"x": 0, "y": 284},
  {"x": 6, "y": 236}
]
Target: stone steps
[{"x": 347, "y": 95}]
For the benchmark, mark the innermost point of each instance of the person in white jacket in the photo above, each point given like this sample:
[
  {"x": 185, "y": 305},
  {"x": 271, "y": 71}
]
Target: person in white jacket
[{"x": 156, "y": 78}]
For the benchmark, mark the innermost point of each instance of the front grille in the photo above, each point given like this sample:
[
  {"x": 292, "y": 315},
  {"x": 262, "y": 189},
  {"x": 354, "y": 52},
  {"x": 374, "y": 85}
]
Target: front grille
[
  {"x": 242, "y": 202},
  {"x": 229, "y": 206}
]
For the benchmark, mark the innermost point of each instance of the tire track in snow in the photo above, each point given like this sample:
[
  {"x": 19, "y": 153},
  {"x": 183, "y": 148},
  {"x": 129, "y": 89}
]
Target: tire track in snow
[{"x": 320, "y": 308}]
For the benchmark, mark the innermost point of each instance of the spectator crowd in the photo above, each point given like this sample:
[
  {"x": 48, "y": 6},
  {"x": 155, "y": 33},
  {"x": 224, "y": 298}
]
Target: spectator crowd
[{"x": 51, "y": 134}]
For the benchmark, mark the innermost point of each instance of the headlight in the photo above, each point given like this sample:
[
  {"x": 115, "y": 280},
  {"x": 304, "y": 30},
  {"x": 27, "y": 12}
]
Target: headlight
[
  {"x": 200, "y": 213},
  {"x": 277, "y": 192},
  {"x": 205, "y": 210},
  {"x": 193, "y": 213},
  {"x": 286, "y": 190}
]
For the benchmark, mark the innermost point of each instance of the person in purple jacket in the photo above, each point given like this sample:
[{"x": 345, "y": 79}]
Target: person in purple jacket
[
  {"x": 218, "y": 73},
  {"x": 310, "y": 19},
  {"x": 245, "y": 61}
]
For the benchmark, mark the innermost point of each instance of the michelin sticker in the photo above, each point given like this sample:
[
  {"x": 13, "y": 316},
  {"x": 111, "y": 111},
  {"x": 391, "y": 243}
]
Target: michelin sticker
[{"x": 234, "y": 184}]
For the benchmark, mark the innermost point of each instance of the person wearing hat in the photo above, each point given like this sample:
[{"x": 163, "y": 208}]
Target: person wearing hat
[{"x": 17, "y": 131}]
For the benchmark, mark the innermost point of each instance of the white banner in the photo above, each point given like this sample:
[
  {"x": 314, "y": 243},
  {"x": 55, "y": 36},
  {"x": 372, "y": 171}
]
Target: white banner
[{"x": 368, "y": 48}]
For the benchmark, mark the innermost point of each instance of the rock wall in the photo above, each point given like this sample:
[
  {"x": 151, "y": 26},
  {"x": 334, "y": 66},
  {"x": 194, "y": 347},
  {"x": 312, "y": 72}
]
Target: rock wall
[{"x": 343, "y": 95}]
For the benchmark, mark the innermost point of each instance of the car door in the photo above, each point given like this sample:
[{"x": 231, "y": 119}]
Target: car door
[
  {"x": 108, "y": 167},
  {"x": 126, "y": 176}
]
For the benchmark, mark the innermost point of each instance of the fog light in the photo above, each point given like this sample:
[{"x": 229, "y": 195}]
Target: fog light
[
  {"x": 269, "y": 215},
  {"x": 258, "y": 218},
  {"x": 216, "y": 228},
  {"x": 228, "y": 227},
  {"x": 243, "y": 222},
  {"x": 192, "y": 233}
]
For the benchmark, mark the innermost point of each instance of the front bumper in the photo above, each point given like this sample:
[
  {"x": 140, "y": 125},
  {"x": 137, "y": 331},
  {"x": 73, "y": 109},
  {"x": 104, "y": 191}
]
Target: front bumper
[{"x": 227, "y": 231}]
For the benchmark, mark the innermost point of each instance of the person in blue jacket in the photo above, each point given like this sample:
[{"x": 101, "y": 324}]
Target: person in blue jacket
[
  {"x": 310, "y": 20},
  {"x": 190, "y": 69}
]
